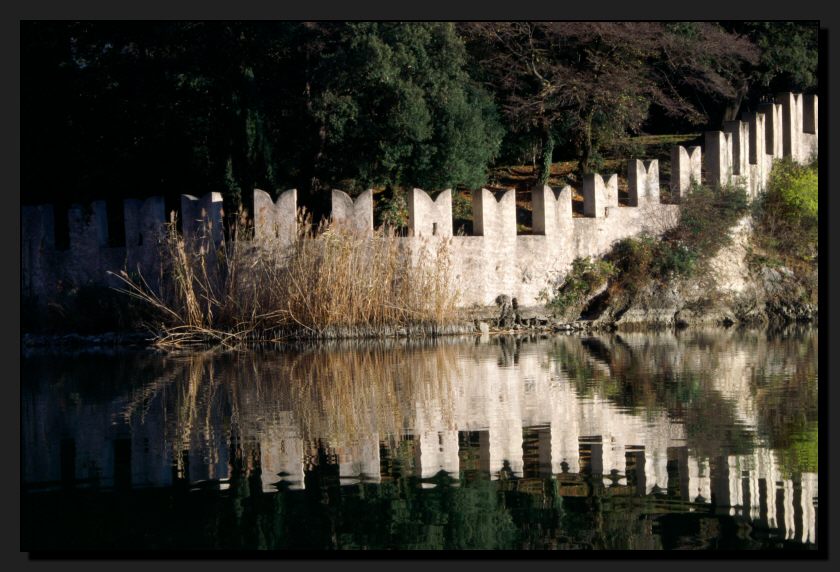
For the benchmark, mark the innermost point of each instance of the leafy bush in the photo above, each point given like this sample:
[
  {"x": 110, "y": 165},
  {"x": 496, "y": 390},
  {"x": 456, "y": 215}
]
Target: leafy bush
[
  {"x": 706, "y": 216},
  {"x": 462, "y": 218},
  {"x": 643, "y": 259},
  {"x": 461, "y": 207},
  {"x": 392, "y": 210},
  {"x": 633, "y": 259},
  {"x": 675, "y": 260},
  {"x": 585, "y": 276},
  {"x": 787, "y": 214}
]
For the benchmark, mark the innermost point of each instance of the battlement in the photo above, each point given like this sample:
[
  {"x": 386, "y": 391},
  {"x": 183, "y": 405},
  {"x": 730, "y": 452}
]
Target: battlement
[
  {"x": 686, "y": 166},
  {"x": 643, "y": 182},
  {"x": 551, "y": 210},
  {"x": 275, "y": 219},
  {"x": 355, "y": 213},
  {"x": 203, "y": 216},
  {"x": 597, "y": 195},
  {"x": 495, "y": 260},
  {"x": 492, "y": 217},
  {"x": 427, "y": 217}
]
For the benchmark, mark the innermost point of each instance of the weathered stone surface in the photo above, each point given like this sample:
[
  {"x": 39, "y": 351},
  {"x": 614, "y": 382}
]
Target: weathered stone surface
[
  {"x": 277, "y": 220},
  {"x": 686, "y": 166},
  {"x": 773, "y": 128},
  {"x": 145, "y": 228},
  {"x": 356, "y": 214},
  {"x": 202, "y": 217},
  {"x": 758, "y": 161},
  {"x": 598, "y": 195},
  {"x": 718, "y": 158},
  {"x": 551, "y": 211},
  {"x": 810, "y": 127},
  {"x": 643, "y": 182},
  {"x": 427, "y": 217},
  {"x": 791, "y": 105},
  {"x": 739, "y": 132},
  {"x": 492, "y": 217},
  {"x": 37, "y": 245}
]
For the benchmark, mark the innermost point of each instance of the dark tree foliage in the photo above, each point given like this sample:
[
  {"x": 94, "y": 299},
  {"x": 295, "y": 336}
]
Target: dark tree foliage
[
  {"x": 140, "y": 109},
  {"x": 589, "y": 81},
  {"x": 788, "y": 61},
  {"x": 118, "y": 109},
  {"x": 392, "y": 104}
]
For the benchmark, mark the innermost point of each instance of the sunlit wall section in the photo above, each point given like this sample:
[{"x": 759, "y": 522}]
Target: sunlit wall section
[
  {"x": 699, "y": 480},
  {"x": 359, "y": 458},
  {"x": 281, "y": 449},
  {"x": 437, "y": 399},
  {"x": 492, "y": 388}
]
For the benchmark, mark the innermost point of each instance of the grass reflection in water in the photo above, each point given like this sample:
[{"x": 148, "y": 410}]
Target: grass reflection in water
[{"x": 632, "y": 441}]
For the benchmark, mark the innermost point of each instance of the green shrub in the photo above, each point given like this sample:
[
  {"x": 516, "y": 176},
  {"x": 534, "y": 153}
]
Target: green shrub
[
  {"x": 787, "y": 214},
  {"x": 585, "y": 276},
  {"x": 633, "y": 259},
  {"x": 643, "y": 259},
  {"x": 706, "y": 217},
  {"x": 462, "y": 218},
  {"x": 794, "y": 188},
  {"x": 461, "y": 206},
  {"x": 675, "y": 259},
  {"x": 392, "y": 210}
]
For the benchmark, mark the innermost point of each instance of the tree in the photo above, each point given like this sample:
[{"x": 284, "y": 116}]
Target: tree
[
  {"x": 391, "y": 104},
  {"x": 142, "y": 109},
  {"x": 788, "y": 61},
  {"x": 583, "y": 82},
  {"x": 135, "y": 109}
]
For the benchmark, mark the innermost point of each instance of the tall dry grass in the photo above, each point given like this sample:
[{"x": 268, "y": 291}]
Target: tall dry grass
[{"x": 328, "y": 281}]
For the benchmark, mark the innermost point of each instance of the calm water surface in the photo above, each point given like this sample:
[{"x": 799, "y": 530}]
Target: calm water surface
[{"x": 700, "y": 439}]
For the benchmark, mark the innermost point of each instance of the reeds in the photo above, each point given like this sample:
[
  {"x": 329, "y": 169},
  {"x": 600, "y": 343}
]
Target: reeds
[{"x": 327, "y": 281}]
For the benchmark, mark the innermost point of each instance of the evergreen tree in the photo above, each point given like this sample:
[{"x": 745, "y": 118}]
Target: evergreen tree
[{"x": 392, "y": 104}]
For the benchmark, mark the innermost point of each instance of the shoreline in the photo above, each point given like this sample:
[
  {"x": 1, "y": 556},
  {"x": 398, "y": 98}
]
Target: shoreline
[{"x": 478, "y": 324}]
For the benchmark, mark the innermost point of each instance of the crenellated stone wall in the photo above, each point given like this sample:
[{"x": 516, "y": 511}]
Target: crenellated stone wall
[{"x": 494, "y": 260}]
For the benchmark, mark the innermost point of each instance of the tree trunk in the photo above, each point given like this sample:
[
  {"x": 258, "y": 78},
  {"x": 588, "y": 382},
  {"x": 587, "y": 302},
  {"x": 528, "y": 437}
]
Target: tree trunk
[
  {"x": 545, "y": 159},
  {"x": 585, "y": 160},
  {"x": 313, "y": 184},
  {"x": 734, "y": 106}
]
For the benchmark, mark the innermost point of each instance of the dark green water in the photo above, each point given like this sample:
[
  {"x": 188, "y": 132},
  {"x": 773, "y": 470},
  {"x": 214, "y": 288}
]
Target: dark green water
[{"x": 700, "y": 440}]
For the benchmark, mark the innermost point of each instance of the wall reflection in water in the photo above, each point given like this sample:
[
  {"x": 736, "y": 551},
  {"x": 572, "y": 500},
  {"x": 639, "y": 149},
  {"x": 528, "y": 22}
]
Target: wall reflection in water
[{"x": 722, "y": 419}]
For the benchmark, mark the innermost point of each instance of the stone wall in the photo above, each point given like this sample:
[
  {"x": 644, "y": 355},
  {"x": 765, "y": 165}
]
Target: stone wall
[{"x": 495, "y": 260}]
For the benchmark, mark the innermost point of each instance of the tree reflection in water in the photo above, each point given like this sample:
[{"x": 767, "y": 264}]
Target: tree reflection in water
[{"x": 622, "y": 441}]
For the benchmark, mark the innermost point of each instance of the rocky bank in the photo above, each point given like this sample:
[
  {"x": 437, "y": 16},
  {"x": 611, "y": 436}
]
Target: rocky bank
[{"x": 736, "y": 288}]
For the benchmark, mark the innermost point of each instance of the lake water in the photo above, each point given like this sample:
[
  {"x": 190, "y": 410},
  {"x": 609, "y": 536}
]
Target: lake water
[{"x": 699, "y": 439}]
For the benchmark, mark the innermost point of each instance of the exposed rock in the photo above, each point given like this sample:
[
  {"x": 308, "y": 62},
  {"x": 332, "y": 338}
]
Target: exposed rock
[{"x": 728, "y": 292}]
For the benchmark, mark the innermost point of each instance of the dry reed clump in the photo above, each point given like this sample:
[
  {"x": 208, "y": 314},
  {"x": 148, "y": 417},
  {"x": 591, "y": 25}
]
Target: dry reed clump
[{"x": 330, "y": 281}]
